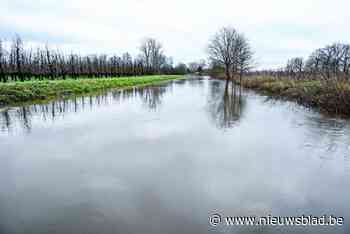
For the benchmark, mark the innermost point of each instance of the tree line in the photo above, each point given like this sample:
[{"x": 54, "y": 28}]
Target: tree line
[
  {"x": 229, "y": 52},
  {"x": 18, "y": 63},
  {"x": 330, "y": 62}
]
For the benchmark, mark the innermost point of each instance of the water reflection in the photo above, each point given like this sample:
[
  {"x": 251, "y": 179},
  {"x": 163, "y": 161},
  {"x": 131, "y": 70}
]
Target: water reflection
[
  {"x": 225, "y": 106},
  {"x": 21, "y": 118},
  {"x": 157, "y": 161},
  {"x": 152, "y": 97}
]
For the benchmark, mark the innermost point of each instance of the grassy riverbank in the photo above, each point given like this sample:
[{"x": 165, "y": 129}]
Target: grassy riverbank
[
  {"x": 17, "y": 92},
  {"x": 332, "y": 97}
]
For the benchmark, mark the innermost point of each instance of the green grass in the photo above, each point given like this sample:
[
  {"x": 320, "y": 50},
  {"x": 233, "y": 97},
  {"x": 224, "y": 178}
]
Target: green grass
[{"x": 17, "y": 92}]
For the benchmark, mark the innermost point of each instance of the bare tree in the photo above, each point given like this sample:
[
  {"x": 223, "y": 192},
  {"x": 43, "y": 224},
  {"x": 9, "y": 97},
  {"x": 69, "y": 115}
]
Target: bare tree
[
  {"x": 193, "y": 66},
  {"x": 346, "y": 60},
  {"x": 45, "y": 63},
  {"x": 146, "y": 48},
  {"x": 197, "y": 66},
  {"x": 221, "y": 48},
  {"x": 2, "y": 63},
  {"x": 313, "y": 64},
  {"x": 295, "y": 67},
  {"x": 230, "y": 50},
  {"x": 50, "y": 62},
  {"x": 330, "y": 62},
  {"x": 152, "y": 53},
  {"x": 16, "y": 57},
  {"x": 63, "y": 65},
  {"x": 243, "y": 56}
]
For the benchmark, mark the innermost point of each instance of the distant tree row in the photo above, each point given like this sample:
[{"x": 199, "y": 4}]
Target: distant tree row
[
  {"x": 330, "y": 62},
  {"x": 197, "y": 67},
  {"x": 19, "y": 64}
]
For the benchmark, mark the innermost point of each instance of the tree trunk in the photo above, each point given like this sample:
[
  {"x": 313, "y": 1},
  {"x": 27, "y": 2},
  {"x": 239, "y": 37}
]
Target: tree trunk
[{"x": 228, "y": 77}]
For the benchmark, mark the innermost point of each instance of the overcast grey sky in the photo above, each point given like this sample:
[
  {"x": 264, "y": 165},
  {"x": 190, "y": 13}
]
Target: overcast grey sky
[{"x": 277, "y": 29}]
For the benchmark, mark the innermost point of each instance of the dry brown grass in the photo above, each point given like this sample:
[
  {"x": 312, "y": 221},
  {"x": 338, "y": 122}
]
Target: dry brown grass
[{"x": 332, "y": 96}]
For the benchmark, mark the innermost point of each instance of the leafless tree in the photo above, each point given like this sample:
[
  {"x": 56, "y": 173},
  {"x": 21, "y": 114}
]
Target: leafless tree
[
  {"x": 346, "y": 60},
  {"x": 221, "y": 48},
  {"x": 230, "y": 50},
  {"x": 50, "y": 62},
  {"x": 243, "y": 56},
  {"x": 17, "y": 58},
  {"x": 193, "y": 66},
  {"x": 146, "y": 48},
  {"x": 45, "y": 63},
  {"x": 197, "y": 66},
  {"x": 2, "y": 63},
  {"x": 330, "y": 62},
  {"x": 295, "y": 67},
  {"x": 152, "y": 53}
]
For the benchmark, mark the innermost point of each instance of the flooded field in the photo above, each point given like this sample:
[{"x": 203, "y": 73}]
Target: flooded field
[{"x": 161, "y": 159}]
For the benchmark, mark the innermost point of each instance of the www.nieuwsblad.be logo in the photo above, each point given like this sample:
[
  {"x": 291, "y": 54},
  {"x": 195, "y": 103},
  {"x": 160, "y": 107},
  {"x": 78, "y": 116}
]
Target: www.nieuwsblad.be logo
[{"x": 325, "y": 220}]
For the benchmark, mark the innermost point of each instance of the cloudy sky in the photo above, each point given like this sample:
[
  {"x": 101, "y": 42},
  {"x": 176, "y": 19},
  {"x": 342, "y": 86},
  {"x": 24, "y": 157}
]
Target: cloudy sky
[{"x": 277, "y": 29}]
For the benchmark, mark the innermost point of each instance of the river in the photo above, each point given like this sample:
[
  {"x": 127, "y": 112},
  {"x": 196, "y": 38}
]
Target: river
[{"x": 162, "y": 159}]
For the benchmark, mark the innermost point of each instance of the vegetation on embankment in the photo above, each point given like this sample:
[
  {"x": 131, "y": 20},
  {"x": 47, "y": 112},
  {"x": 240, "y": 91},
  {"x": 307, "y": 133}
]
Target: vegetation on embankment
[
  {"x": 330, "y": 97},
  {"x": 17, "y": 92}
]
